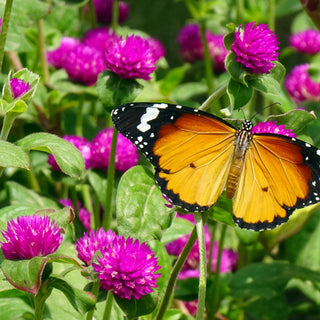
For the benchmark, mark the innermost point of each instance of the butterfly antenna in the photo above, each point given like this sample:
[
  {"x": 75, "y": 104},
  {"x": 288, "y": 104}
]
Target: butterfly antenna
[{"x": 269, "y": 106}]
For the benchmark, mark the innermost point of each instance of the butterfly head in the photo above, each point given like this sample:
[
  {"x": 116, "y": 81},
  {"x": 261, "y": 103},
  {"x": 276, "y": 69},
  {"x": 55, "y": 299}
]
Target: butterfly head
[{"x": 246, "y": 125}]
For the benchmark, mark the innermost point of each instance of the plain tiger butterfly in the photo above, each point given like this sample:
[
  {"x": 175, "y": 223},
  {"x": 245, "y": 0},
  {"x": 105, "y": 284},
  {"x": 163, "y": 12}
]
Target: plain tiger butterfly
[{"x": 197, "y": 155}]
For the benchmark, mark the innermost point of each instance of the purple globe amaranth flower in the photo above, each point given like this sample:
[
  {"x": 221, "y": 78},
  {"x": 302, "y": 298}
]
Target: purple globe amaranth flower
[
  {"x": 57, "y": 57},
  {"x": 157, "y": 48},
  {"x": 191, "y": 47},
  {"x": 91, "y": 242},
  {"x": 100, "y": 38},
  {"x": 300, "y": 86},
  {"x": 131, "y": 58},
  {"x": 82, "y": 144},
  {"x": 84, "y": 214},
  {"x": 104, "y": 9},
  {"x": 27, "y": 237},
  {"x": 126, "y": 152},
  {"x": 18, "y": 87},
  {"x": 127, "y": 268},
  {"x": 307, "y": 41},
  {"x": 255, "y": 47},
  {"x": 84, "y": 63},
  {"x": 272, "y": 127}
]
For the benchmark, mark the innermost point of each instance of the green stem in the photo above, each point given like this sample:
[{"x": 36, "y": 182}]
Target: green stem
[
  {"x": 239, "y": 11},
  {"x": 92, "y": 15},
  {"x": 79, "y": 119},
  {"x": 215, "y": 96},
  {"x": 42, "y": 52},
  {"x": 108, "y": 307},
  {"x": 272, "y": 15},
  {"x": 207, "y": 59},
  {"x": 174, "y": 274},
  {"x": 115, "y": 16},
  {"x": 40, "y": 300},
  {"x": 215, "y": 302},
  {"x": 95, "y": 292},
  {"x": 110, "y": 182},
  {"x": 95, "y": 219},
  {"x": 202, "y": 267},
  {"x": 211, "y": 250},
  {"x": 7, "y": 125},
  {"x": 4, "y": 29}
]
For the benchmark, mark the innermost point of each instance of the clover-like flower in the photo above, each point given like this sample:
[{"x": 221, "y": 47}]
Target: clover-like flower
[
  {"x": 128, "y": 268},
  {"x": 307, "y": 41},
  {"x": 91, "y": 242},
  {"x": 272, "y": 127},
  {"x": 101, "y": 38},
  {"x": 300, "y": 86},
  {"x": 256, "y": 46},
  {"x": 27, "y": 237},
  {"x": 131, "y": 58},
  {"x": 18, "y": 87},
  {"x": 126, "y": 152}
]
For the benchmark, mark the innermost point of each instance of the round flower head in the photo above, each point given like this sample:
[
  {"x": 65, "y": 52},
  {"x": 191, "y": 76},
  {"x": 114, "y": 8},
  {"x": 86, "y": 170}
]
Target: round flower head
[
  {"x": 126, "y": 153},
  {"x": 84, "y": 63},
  {"x": 255, "y": 47},
  {"x": 189, "y": 39},
  {"x": 91, "y": 242},
  {"x": 131, "y": 58},
  {"x": 84, "y": 214},
  {"x": 157, "y": 48},
  {"x": 82, "y": 144},
  {"x": 307, "y": 41},
  {"x": 57, "y": 57},
  {"x": 217, "y": 50},
  {"x": 18, "y": 87},
  {"x": 271, "y": 127},
  {"x": 127, "y": 268},
  {"x": 300, "y": 86},
  {"x": 104, "y": 8},
  {"x": 100, "y": 38},
  {"x": 27, "y": 237}
]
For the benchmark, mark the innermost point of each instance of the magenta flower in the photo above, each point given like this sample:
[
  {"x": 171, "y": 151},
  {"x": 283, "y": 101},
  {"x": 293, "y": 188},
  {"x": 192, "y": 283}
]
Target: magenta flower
[
  {"x": 91, "y": 242},
  {"x": 18, "y": 87},
  {"x": 191, "y": 47},
  {"x": 300, "y": 86},
  {"x": 131, "y": 58},
  {"x": 82, "y": 144},
  {"x": 126, "y": 153},
  {"x": 127, "y": 268},
  {"x": 100, "y": 38},
  {"x": 271, "y": 127},
  {"x": 157, "y": 48},
  {"x": 27, "y": 237},
  {"x": 103, "y": 10},
  {"x": 307, "y": 41},
  {"x": 57, "y": 57},
  {"x": 84, "y": 214},
  {"x": 255, "y": 47}
]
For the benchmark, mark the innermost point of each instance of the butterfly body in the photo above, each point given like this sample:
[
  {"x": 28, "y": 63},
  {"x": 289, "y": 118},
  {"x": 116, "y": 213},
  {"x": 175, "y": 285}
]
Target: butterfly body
[{"x": 197, "y": 155}]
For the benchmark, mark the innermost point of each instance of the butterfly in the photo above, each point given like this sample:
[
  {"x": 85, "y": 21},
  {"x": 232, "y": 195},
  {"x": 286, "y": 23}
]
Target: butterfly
[{"x": 197, "y": 155}]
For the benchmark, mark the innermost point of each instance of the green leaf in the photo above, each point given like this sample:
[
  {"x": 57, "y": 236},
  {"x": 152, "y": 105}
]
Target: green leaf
[
  {"x": 237, "y": 70},
  {"x": 12, "y": 308},
  {"x": 172, "y": 79},
  {"x": 82, "y": 301},
  {"x": 141, "y": 210},
  {"x": 67, "y": 156},
  {"x": 228, "y": 39},
  {"x": 13, "y": 156},
  {"x": 98, "y": 182},
  {"x": 296, "y": 119},
  {"x": 238, "y": 93},
  {"x": 114, "y": 91},
  {"x": 222, "y": 210},
  {"x": 178, "y": 229},
  {"x": 267, "y": 280}
]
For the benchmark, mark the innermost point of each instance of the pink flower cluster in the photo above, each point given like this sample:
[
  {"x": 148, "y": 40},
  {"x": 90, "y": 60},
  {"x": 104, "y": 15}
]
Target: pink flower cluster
[
  {"x": 191, "y": 46},
  {"x": 100, "y": 49},
  {"x": 97, "y": 153},
  {"x": 272, "y": 127},
  {"x": 124, "y": 266}
]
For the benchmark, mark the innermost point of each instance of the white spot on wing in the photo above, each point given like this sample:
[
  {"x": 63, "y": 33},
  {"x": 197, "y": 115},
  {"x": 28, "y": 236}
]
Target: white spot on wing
[
  {"x": 318, "y": 152},
  {"x": 151, "y": 114}
]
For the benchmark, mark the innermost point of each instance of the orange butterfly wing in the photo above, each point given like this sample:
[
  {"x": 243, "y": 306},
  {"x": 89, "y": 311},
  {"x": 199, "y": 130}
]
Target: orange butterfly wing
[{"x": 278, "y": 177}]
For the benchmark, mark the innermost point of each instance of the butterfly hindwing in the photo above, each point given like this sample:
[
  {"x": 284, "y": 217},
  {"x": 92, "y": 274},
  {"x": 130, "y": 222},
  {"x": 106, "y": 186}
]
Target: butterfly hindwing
[
  {"x": 191, "y": 150},
  {"x": 280, "y": 175}
]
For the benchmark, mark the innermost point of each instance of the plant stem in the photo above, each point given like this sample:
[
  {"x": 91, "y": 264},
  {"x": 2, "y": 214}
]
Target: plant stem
[
  {"x": 239, "y": 11},
  {"x": 4, "y": 29},
  {"x": 79, "y": 119},
  {"x": 42, "y": 52},
  {"x": 272, "y": 15},
  {"x": 110, "y": 182},
  {"x": 7, "y": 124},
  {"x": 95, "y": 292},
  {"x": 174, "y": 273},
  {"x": 108, "y": 307},
  {"x": 92, "y": 15},
  {"x": 215, "y": 96},
  {"x": 39, "y": 301},
  {"x": 202, "y": 267},
  {"x": 115, "y": 16},
  {"x": 211, "y": 250}
]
